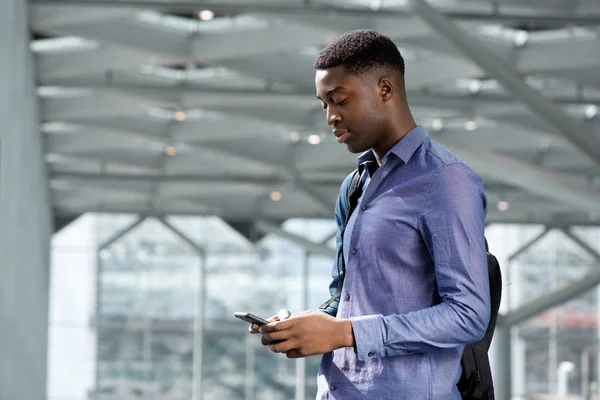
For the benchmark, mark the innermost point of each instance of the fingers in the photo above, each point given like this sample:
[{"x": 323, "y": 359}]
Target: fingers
[
  {"x": 280, "y": 316},
  {"x": 277, "y": 326},
  {"x": 295, "y": 353},
  {"x": 283, "y": 347},
  {"x": 253, "y": 328},
  {"x": 273, "y": 337}
]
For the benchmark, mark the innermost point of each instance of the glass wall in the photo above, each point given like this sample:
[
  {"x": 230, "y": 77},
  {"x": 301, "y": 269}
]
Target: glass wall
[
  {"x": 143, "y": 309},
  {"x": 157, "y": 281},
  {"x": 548, "y": 349}
]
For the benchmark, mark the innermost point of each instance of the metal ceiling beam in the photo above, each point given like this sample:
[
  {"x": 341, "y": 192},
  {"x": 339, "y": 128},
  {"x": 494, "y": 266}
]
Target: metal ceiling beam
[
  {"x": 294, "y": 177},
  {"x": 130, "y": 33},
  {"x": 240, "y": 48},
  {"x": 135, "y": 137},
  {"x": 206, "y": 48},
  {"x": 98, "y": 142},
  {"x": 559, "y": 56},
  {"x": 193, "y": 131},
  {"x": 61, "y": 109},
  {"x": 178, "y": 209},
  {"x": 114, "y": 193},
  {"x": 269, "y": 182},
  {"x": 52, "y": 67},
  {"x": 488, "y": 105},
  {"x": 211, "y": 98},
  {"x": 288, "y": 173},
  {"x": 528, "y": 177},
  {"x": 575, "y": 131},
  {"x": 503, "y": 168},
  {"x": 277, "y": 36},
  {"x": 62, "y": 69},
  {"x": 49, "y": 16},
  {"x": 300, "y": 8}
]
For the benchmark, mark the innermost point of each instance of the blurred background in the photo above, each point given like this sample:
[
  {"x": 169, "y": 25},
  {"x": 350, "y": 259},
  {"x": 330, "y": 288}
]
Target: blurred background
[{"x": 164, "y": 164}]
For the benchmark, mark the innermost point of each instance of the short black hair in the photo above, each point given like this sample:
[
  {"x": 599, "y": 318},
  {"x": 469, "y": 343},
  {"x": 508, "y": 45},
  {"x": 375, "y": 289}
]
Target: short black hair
[{"x": 359, "y": 51}]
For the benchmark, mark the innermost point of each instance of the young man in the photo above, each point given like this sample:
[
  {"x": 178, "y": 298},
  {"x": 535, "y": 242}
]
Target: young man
[{"x": 416, "y": 285}]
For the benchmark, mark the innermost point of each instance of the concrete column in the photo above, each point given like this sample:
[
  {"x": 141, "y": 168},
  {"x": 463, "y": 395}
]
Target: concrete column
[
  {"x": 199, "y": 328},
  {"x": 301, "y": 362},
  {"x": 25, "y": 216},
  {"x": 250, "y": 374},
  {"x": 500, "y": 359}
]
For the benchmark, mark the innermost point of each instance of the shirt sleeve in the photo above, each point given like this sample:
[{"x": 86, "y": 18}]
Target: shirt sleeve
[
  {"x": 340, "y": 220},
  {"x": 451, "y": 223}
]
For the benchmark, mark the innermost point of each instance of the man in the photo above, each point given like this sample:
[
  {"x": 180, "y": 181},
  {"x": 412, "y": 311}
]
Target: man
[{"x": 416, "y": 285}]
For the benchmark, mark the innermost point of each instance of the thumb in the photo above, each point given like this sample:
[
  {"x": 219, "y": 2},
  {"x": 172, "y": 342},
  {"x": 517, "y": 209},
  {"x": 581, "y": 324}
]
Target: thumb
[{"x": 283, "y": 314}]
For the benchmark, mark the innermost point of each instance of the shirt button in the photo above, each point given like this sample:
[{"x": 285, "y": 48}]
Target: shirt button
[
  {"x": 370, "y": 354},
  {"x": 347, "y": 297},
  {"x": 332, "y": 387},
  {"x": 363, "y": 208},
  {"x": 353, "y": 251}
]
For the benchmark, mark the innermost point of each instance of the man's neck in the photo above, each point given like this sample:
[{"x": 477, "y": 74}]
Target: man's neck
[{"x": 381, "y": 151}]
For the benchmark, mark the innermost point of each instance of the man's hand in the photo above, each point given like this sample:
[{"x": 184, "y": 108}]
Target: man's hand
[
  {"x": 281, "y": 315},
  {"x": 307, "y": 333}
]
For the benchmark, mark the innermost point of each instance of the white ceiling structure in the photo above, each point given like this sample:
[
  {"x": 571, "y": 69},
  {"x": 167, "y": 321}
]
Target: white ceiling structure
[{"x": 147, "y": 108}]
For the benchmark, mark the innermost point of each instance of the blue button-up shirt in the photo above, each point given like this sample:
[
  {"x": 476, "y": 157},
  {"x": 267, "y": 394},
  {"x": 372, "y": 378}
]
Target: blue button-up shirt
[{"x": 416, "y": 288}]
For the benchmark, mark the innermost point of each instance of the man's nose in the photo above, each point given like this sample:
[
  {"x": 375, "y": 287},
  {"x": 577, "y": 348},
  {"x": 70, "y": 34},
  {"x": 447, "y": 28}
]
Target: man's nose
[{"x": 332, "y": 117}]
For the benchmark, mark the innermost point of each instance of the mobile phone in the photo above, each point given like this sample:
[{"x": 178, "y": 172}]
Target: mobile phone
[{"x": 251, "y": 318}]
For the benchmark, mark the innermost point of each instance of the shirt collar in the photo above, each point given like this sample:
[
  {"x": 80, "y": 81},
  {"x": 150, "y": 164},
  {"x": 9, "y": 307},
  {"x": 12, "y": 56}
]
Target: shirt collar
[{"x": 404, "y": 149}]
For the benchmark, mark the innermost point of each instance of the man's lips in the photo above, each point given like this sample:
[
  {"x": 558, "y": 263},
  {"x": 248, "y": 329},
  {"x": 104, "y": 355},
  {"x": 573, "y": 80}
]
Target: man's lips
[{"x": 341, "y": 134}]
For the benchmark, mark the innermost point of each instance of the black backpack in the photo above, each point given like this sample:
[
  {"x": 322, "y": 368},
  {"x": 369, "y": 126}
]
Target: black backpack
[{"x": 475, "y": 382}]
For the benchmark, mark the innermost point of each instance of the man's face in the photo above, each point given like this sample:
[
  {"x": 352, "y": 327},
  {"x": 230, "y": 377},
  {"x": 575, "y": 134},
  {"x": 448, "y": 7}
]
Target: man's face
[{"x": 352, "y": 107}]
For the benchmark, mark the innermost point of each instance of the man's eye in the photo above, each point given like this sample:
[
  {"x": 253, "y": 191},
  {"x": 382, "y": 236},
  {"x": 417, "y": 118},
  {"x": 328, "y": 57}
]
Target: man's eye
[{"x": 340, "y": 103}]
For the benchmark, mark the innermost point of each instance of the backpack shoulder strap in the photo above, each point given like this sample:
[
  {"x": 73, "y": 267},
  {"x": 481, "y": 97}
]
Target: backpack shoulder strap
[{"x": 353, "y": 194}]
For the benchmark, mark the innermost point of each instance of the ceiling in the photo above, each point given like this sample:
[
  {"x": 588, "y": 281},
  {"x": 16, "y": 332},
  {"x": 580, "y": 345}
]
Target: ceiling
[{"x": 147, "y": 108}]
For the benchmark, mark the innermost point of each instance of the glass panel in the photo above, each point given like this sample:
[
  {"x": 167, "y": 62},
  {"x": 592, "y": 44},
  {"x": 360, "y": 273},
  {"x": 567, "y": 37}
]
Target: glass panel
[
  {"x": 553, "y": 341},
  {"x": 148, "y": 286},
  {"x": 224, "y": 371}
]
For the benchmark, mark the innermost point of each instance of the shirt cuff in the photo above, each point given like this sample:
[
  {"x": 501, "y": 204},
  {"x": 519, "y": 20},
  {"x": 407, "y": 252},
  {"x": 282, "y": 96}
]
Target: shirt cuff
[{"x": 368, "y": 336}]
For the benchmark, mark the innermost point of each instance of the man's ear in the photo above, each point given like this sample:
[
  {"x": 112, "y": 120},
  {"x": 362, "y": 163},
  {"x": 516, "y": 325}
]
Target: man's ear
[{"x": 386, "y": 89}]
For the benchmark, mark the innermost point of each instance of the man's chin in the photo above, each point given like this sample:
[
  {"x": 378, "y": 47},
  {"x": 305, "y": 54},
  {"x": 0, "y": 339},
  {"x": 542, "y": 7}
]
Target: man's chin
[{"x": 355, "y": 149}]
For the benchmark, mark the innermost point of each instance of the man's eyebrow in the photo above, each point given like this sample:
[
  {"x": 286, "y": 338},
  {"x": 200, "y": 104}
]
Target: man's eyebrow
[{"x": 330, "y": 91}]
